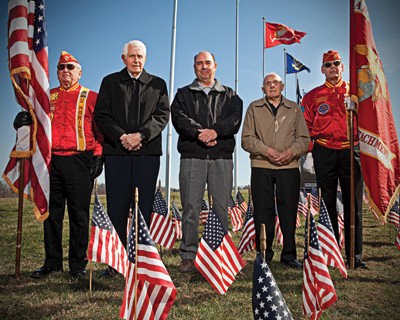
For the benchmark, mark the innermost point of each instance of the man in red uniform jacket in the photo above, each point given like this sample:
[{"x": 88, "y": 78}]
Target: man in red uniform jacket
[
  {"x": 75, "y": 163},
  {"x": 328, "y": 123}
]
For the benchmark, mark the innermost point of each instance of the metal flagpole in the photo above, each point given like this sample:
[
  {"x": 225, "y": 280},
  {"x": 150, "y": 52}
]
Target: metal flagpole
[
  {"x": 285, "y": 68},
  {"x": 236, "y": 89},
  {"x": 263, "y": 56},
  {"x": 171, "y": 94}
]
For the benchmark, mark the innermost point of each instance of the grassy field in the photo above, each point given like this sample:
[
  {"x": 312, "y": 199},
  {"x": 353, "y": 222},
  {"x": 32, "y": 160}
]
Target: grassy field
[{"x": 366, "y": 294}]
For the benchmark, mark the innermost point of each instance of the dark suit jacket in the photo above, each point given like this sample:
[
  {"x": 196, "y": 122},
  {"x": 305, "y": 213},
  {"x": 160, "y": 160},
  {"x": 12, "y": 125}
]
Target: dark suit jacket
[{"x": 149, "y": 115}]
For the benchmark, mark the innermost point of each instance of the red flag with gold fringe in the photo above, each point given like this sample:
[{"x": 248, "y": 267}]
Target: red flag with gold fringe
[{"x": 379, "y": 145}]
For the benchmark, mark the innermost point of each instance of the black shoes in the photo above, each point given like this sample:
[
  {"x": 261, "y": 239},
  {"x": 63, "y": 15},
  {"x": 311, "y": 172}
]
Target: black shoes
[
  {"x": 43, "y": 272},
  {"x": 108, "y": 273},
  {"x": 359, "y": 264},
  {"x": 294, "y": 264},
  {"x": 77, "y": 274},
  {"x": 187, "y": 265}
]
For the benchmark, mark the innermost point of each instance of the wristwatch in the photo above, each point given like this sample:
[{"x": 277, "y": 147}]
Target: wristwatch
[{"x": 142, "y": 135}]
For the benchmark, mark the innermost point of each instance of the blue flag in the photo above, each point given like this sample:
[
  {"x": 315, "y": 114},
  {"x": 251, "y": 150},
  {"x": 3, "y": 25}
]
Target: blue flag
[{"x": 293, "y": 65}]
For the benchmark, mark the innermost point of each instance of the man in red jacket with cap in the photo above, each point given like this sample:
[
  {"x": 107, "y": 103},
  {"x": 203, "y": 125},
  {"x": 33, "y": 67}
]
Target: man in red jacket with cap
[
  {"x": 328, "y": 123},
  {"x": 75, "y": 163}
]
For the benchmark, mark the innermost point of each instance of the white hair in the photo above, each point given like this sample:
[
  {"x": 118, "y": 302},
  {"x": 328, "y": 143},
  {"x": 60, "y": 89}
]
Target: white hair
[
  {"x": 273, "y": 74},
  {"x": 134, "y": 43}
]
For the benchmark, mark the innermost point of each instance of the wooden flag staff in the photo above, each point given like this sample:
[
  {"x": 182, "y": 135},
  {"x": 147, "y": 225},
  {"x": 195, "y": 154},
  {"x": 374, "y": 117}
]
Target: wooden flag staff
[{"x": 136, "y": 248}]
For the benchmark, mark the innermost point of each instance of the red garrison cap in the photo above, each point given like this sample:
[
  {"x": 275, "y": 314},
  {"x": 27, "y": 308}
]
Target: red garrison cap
[
  {"x": 66, "y": 57},
  {"x": 331, "y": 55}
]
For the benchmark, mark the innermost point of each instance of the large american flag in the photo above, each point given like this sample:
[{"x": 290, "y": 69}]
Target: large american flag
[
  {"x": 318, "y": 291},
  {"x": 267, "y": 299},
  {"x": 327, "y": 240},
  {"x": 247, "y": 240},
  {"x": 217, "y": 258},
  {"x": 105, "y": 245},
  {"x": 177, "y": 220},
  {"x": 149, "y": 290},
  {"x": 241, "y": 202},
  {"x": 236, "y": 215},
  {"x": 28, "y": 64},
  {"x": 162, "y": 230}
]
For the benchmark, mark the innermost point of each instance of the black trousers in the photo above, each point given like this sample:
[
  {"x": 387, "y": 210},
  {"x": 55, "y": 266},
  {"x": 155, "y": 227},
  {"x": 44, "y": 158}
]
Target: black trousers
[
  {"x": 69, "y": 182},
  {"x": 268, "y": 185},
  {"x": 123, "y": 174},
  {"x": 333, "y": 167}
]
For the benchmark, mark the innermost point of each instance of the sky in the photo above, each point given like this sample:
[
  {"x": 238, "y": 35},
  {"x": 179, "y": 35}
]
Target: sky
[{"x": 95, "y": 32}]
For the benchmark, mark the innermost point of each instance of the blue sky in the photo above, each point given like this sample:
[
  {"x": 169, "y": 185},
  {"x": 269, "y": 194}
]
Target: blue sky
[{"x": 95, "y": 31}]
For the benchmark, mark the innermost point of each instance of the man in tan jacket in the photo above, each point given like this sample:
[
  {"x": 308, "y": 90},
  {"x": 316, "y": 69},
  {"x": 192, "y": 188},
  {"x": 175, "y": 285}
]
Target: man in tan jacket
[{"x": 276, "y": 135}]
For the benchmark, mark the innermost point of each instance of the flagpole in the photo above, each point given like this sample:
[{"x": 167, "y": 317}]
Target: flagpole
[
  {"x": 285, "y": 68},
  {"x": 171, "y": 94},
  {"x": 237, "y": 90},
  {"x": 263, "y": 56},
  {"x": 19, "y": 223},
  {"x": 263, "y": 241},
  {"x": 136, "y": 249}
]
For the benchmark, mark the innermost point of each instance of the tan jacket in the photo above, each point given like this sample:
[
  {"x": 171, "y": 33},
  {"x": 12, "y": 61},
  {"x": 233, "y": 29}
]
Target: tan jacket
[{"x": 261, "y": 130}]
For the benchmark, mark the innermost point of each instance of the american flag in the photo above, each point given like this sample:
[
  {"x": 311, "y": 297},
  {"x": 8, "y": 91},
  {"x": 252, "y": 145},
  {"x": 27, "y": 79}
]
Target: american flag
[
  {"x": 217, "y": 258},
  {"x": 105, "y": 245},
  {"x": 397, "y": 242},
  {"x": 318, "y": 291},
  {"x": 247, "y": 240},
  {"x": 394, "y": 214},
  {"x": 241, "y": 202},
  {"x": 147, "y": 278},
  {"x": 267, "y": 299},
  {"x": 278, "y": 231},
  {"x": 327, "y": 240},
  {"x": 236, "y": 215},
  {"x": 340, "y": 214},
  {"x": 314, "y": 200},
  {"x": 28, "y": 64},
  {"x": 204, "y": 212},
  {"x": 177, "y": 220},
  {"x": 162, "y": 230},
  {"x": 303, "y": 203}
]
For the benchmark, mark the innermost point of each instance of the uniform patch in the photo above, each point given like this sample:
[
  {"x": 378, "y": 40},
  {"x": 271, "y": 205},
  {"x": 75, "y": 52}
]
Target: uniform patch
[
  {"x": 323, "y": 108},
  {"x": 54, "y": 96}
]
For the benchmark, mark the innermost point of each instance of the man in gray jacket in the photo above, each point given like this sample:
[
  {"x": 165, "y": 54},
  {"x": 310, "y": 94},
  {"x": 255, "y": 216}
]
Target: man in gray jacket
[
  {"x": 206, "y": 116},
  {"x": 275, "y": 134}
]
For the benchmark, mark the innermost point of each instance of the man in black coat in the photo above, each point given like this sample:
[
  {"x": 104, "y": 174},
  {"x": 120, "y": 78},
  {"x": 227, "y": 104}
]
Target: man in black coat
[{"x": 132, "y": 109}]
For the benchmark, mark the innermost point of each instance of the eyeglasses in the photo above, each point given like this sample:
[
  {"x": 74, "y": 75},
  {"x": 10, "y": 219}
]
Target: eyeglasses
[
  {"x": 336, "y": 63},
  {"x": 68, "y": 65},
  {"x": 268, "y": 83}
]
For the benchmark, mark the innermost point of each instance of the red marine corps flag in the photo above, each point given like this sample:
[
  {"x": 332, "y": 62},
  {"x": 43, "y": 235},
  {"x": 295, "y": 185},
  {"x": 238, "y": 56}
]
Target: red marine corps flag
[
  {"x": 276, "y": 33},
  {"x": 379, "y": 145},
  {"x": 28, "y": 64}
]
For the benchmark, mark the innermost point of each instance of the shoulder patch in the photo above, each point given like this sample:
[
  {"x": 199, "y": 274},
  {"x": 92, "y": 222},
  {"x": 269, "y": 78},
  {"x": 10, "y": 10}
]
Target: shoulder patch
[{"x": 54, "y": 96}]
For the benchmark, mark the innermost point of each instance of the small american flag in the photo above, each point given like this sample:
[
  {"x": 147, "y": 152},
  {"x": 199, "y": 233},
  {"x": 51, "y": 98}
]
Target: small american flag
[
  {"x": 105, "y": 245},
  {"x": 236, "y": 215},
  {"x": 28, "y": 64},
  {"x": 340, "y": 213},
  {"x": 217, "y": 258},
  {"x": 318, "y": 291},
  {"x": 162, "y": 230},
  {"x": 278, "y": 231},
  {"x": 303, "y": 203},
  {"x": 247, "y": 240},
  {"x": 394, "y": 215},
  {"x": 397, "y": 242},
  {"x": 204, "y": 212},
  {"x": 147, "y": 278},
  {"x": 177, "y": 220},
  {"x": 241, "y": 202},
  {"x": 267, "y": 299},
  {"x": 327, "y": 240},
  {"x": 314, "y": 201}
]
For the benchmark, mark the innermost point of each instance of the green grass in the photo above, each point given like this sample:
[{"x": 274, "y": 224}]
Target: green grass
[{"x": 366, "y": 294}]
